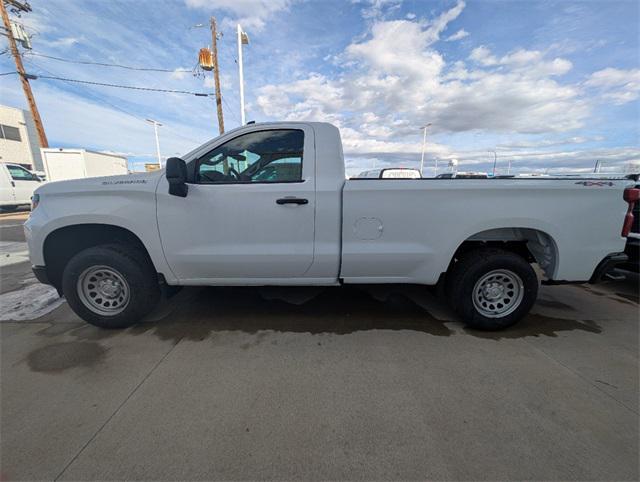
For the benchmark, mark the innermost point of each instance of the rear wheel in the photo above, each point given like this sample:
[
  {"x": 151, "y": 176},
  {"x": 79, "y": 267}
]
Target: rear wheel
[
  {"x": 111, "y": 286},
  {"x": 491, "y": 289}
]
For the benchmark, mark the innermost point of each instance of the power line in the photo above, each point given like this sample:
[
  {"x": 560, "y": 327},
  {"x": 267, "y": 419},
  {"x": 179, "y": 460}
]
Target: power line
[
  {"x": 119, "y": 86},
  {"x": 130, "y": 114},
  {"x": 104, "y": 64},
  {"x": 233, "y": 114},
  {"x": 8, "y": 73},
  {"x": 92, "y": 96}
]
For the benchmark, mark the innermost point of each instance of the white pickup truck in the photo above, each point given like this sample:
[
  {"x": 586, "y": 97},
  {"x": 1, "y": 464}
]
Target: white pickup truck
[{"x": 268, "y": 204}]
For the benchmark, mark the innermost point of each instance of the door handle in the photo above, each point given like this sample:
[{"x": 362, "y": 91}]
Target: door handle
[{"x": 292, "y": 200}]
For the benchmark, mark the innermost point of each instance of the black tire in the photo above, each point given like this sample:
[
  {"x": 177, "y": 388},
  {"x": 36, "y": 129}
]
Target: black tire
[
  {"x": 132, "y": 264},
  {"x": 472, "y": 267}
]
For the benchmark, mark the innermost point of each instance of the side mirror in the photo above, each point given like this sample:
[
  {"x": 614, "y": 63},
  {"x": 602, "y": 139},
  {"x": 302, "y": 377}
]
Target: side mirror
[{"x": 176, "y": 172}]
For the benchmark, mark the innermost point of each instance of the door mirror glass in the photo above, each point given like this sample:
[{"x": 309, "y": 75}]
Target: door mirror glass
[{"x": 176, "y": 172}]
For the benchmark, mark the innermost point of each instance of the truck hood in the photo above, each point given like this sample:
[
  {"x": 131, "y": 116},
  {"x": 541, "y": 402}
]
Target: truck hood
[{"x": 144, "y": 181}]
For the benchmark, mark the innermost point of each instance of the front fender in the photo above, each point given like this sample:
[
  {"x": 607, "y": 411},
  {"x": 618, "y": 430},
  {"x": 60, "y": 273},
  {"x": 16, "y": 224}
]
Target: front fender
[{"x": 133, "y": 211}]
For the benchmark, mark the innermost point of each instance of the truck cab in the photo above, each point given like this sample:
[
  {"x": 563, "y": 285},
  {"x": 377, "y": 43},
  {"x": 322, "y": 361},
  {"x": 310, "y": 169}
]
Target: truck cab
[{"x": 17, "y": 185}]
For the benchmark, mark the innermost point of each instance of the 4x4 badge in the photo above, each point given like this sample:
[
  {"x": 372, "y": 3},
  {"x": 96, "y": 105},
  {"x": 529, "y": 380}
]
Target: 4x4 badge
[{"x": 595, "y": 183}]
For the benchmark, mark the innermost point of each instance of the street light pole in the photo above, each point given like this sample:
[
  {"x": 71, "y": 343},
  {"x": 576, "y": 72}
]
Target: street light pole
[
  {"x": 155, "y": 129},
  {"x": 424, "y": 143},
  {"x": 495, "y": 160},
  {"x": 242, "y": 39}
]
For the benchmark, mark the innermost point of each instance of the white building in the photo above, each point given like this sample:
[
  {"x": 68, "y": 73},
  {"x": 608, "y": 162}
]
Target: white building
[{"x": 19, "y": 138}]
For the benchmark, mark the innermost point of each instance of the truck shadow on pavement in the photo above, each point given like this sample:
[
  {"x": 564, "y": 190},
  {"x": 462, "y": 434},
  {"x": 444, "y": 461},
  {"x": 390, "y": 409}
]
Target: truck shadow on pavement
[
  {"x": 336, "y": 310},
  {"x": 198, "y": 314}
]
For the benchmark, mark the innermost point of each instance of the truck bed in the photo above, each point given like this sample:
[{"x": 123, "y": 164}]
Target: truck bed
[{"x": 394, "y": 229}]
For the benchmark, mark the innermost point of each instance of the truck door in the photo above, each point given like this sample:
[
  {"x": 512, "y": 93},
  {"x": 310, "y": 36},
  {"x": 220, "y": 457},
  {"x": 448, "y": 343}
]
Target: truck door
[
  {"x": 249, "y": 211},
  {"x": 24, "y": 181},
  {"x": 7, "y": 189}
]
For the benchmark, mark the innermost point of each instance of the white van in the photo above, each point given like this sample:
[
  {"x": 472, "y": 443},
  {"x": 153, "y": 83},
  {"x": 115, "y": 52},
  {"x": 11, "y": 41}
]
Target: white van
[
  {"x": 16, "y": 186},
  {"x": 65, "y": 164}
]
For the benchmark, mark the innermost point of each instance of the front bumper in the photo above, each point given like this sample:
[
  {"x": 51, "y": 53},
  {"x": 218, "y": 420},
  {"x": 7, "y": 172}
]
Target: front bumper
[{"x": 607, "y": 264}]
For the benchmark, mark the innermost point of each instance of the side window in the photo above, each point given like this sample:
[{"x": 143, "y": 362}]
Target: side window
[
  {"x": 11, "y": 133},
  {"x": 262, "y": 156},
  {"x": 20, "y": 174}
]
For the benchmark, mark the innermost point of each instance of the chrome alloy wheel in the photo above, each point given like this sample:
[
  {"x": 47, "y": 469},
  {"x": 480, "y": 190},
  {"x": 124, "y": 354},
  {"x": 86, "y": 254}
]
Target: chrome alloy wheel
[
  {"x": 498, "y": 293},
  {"x": 103, "y": 290}
]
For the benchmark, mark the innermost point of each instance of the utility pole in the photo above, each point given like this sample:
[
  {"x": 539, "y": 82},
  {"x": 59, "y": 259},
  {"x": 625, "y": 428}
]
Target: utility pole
[
  {"x": 424, "y": 142},
  {"x": 156, "y": 124},
  {"x": 216, "y": 72},
  {"x": 20, "y": 67}
]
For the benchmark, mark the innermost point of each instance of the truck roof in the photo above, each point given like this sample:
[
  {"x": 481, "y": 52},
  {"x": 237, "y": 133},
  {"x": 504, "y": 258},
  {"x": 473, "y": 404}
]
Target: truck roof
[{"x": 277, "y": 124}]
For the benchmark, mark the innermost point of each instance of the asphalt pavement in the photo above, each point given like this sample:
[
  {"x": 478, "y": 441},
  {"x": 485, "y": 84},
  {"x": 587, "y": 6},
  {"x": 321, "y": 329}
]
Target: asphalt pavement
[{"x": 343, "y": 383}]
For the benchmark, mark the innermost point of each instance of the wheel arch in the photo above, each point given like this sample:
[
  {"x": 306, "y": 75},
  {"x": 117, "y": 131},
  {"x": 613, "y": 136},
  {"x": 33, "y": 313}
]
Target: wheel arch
[
  {"x": 532, "y": 244},
  {"x": 63, "y": 243}
]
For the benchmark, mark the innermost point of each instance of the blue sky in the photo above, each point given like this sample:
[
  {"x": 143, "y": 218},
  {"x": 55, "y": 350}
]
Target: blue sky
[{"x": 547, "y": 84}]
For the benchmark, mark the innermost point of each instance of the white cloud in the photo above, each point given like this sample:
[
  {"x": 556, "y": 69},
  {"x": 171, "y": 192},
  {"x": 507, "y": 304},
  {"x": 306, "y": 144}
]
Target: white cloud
[
  {"x": 64, "y": 42},
  {"x": 440, "y": 23},
  {"x": 376, "y": 9},
  {"x": 251, "y": 14},
  {"x": 317, "y": 98},
  {"x": 482, "y": 55},
  {"x": 619, "y": 86},
  {"x": 180, "y": 73},
  {"x": 460, "y": 34},
  {"x": 549, "y": 142},
  {"x": 395, "y": 80},
  {"x": 533, "y": 63},
  {"x": 530, "y": 62}
]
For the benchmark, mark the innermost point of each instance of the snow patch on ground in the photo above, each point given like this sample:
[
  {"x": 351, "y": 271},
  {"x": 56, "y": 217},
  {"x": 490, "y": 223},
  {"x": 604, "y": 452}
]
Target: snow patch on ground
[{"x": 29, "y": 303}]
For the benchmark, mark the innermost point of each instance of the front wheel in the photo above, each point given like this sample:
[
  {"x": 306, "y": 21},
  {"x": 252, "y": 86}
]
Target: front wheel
[
  {"x": 111, "y": 286},
  {"x": 492, "y": 289}
]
